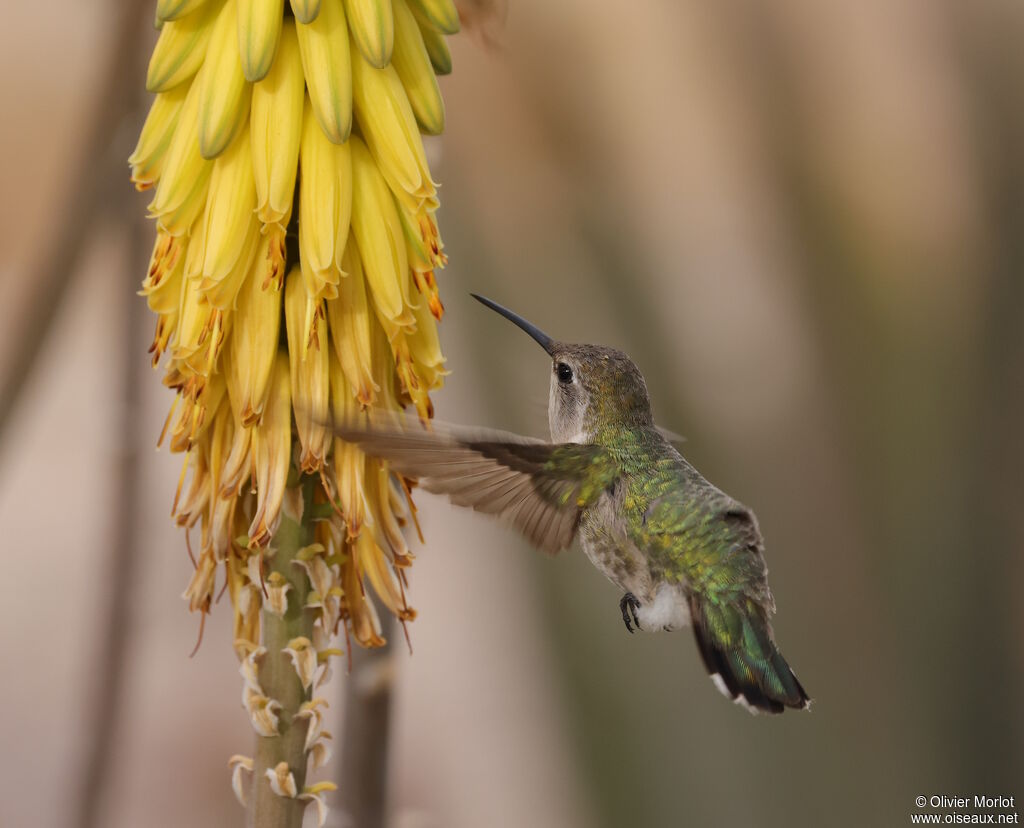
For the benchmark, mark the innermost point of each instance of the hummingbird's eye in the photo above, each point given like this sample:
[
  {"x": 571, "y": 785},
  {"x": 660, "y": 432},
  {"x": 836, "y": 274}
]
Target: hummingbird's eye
[{"x": 564, "y": 373}]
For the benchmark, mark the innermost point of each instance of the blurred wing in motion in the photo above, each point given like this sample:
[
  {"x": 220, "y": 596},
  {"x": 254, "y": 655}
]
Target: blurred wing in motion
[{"x": 539, "y": 487}]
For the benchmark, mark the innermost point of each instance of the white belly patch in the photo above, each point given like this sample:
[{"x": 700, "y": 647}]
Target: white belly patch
[{"x": 668, "y": 611}]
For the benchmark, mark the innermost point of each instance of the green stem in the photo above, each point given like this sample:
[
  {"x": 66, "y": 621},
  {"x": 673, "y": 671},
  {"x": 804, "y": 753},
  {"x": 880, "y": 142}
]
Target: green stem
[{"x": 277, "y": 675}]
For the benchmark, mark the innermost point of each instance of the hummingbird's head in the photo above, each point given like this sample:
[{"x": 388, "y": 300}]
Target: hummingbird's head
[{"x": 591, "y": 386}]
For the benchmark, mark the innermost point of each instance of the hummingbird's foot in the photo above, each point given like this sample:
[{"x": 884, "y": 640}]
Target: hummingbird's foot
[{"x": 629, "y": 605}]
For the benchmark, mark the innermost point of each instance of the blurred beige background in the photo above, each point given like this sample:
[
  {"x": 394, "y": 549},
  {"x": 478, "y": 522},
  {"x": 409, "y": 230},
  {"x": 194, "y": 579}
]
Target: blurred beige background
[{"x": 804, "y": 220}]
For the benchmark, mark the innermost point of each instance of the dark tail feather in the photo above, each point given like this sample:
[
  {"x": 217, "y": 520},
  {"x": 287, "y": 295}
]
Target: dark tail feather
[{"x": 742, "y": 659}]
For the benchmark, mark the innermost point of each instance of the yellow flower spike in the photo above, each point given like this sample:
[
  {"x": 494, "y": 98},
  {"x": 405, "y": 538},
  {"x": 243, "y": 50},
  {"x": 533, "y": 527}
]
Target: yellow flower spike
[
  {"x": 323, "y": 203},
  {"x": 173, "y": 9},
  {"x": 185, "y": 171},
  {"x": 253, "y": 345},
  {"x": 303, "y": 657},
  {"x": 263, "y": 712},
  {"x": 238, "y": 765},
  {"x": 272, "y": 454},
  {"x": 441, "y": 14},
  {"x": 437, "y": 47},
  {"x": 327, "y": 66},
  {"x": 155, "y": 139},
  {"x": 373, "y": 29},
  {"x": 305, "y": 11},
  {"x": 350, "y": 322},
  {"x": 230, "y": 204},
  {"x": 224, "y": 92},
  {"x": 282, "y": 781},
  {"x": 277, "y": 594},
  {"x": 181, "y": 47},
  {"x": 162, "y": 285},
  {"x": 309, "y": 376},
  {"x": 389, "y": 127},
  {"x": 349, "y": 461},
  {"x": 275, "y": 122},
  {"x": 378, "y": 232},
  {"x": 412, "y": 63},
  {"x": 259, "y": 31}
]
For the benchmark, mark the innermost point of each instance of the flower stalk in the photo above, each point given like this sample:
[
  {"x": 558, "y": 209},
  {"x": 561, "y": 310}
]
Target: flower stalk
[{"x": 278, "y": 678}]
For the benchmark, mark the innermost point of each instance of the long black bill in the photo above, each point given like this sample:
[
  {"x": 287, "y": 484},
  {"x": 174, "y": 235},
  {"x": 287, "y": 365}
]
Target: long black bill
[{"x": 545, "y": 341}]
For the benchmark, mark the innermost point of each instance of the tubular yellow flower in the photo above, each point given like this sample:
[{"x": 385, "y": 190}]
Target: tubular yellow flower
[
  {"x": 310, "y": 384},
  {"x": 181, "y": 47},
  {"x": 441, "y": 14},
  {"x": 325, "y": 202},
  {"x": 378, "y": 233},
  {"x": 253, "y": 345},
  {"x": 259, "y": 30},
  {"x": 269, "y": 214},
  {"x": 223, "y": 90},
  {"x": 155, "y": 138},
  {"x": 272, "y": 444},
  {"x": 276, "y": 126},
  {"x": 412, "y": 62},
  {"x": 173, "y": 9},
  {"x": 373, "y": 29},
  {"x": 305, "y": 11},
  {"x": 351, "y": 327},
  {"x": 323, "y": 44}
]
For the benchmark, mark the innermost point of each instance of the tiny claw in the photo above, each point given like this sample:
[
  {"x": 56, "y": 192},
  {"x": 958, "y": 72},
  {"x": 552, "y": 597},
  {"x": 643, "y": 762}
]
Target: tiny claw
[{"x": 628, "y": 606}]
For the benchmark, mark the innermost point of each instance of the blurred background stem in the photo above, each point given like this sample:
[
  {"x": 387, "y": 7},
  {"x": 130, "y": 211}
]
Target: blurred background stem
[{"x": 362, "y": 785}]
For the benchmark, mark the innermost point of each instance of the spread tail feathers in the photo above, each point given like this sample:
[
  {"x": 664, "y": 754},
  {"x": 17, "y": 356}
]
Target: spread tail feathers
[{"x": 736, "y": 643}]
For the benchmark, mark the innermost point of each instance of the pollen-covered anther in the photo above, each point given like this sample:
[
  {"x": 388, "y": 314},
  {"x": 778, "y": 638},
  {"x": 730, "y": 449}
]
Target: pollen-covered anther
[
  {"x": 277, "y": 594},
  {"x": 311, "y": 710},
  {"x": 238, "y": 765},
  {"x": 263, "y": 712},
  {"x": 282, "y": 780},
  {"x": 313, "y": 793},
  {"x": 304, "y": 659}
]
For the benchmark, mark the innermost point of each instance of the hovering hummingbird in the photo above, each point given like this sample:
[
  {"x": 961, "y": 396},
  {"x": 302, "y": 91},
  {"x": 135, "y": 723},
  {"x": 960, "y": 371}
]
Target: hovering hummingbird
[{"x": 682, "y": 551}]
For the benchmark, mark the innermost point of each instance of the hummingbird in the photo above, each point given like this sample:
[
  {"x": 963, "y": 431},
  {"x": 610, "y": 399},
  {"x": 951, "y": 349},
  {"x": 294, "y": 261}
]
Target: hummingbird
[{"x": 683, "y": 552}]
